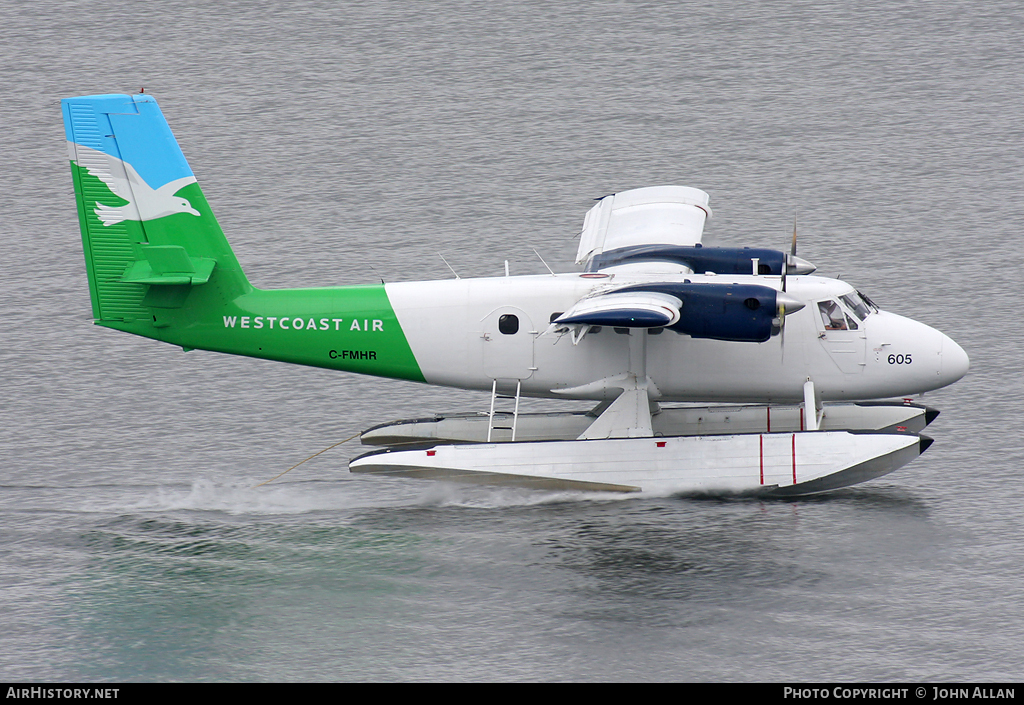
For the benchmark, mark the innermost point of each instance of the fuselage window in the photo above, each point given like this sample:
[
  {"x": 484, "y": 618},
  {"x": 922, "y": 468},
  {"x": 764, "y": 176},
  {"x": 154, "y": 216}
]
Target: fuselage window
[{"x": 508, "y": 324}]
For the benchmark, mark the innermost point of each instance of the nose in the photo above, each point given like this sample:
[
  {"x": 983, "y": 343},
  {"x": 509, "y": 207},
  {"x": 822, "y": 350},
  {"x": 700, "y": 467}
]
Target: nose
[{"x": 955, "y": 362}]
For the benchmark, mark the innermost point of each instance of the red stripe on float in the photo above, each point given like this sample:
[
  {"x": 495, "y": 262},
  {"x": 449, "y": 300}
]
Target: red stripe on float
[
  {"x": 794, "y": 458},
  {"x": 762, "y": 458}
]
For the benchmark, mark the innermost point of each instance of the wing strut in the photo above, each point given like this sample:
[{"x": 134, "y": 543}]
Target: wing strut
[
  {"x": 629, "y": 416},
  {"x": 811, "y": 413}
]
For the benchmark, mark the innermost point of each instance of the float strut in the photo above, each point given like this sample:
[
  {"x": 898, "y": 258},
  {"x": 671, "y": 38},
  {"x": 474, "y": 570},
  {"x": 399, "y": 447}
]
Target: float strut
[{"x": 810, "y": 407}]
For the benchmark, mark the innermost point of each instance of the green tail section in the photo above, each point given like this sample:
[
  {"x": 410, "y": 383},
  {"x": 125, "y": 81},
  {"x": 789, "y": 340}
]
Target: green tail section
[
  {"x": 159, "y": 265},
  {"x": 148, "y": 233}
]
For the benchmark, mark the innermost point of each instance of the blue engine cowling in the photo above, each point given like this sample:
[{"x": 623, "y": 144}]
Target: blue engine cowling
[{"x": 700, "y": 259}]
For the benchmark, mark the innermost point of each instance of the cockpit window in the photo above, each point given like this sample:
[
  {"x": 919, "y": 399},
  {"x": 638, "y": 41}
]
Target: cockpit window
[
  {"x": 859, "y": 308},
  {"x": 833, "y": 317}
]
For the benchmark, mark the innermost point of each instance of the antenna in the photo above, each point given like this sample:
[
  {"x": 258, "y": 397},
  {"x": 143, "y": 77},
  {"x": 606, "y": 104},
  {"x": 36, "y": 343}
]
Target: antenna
[
  {"x": 542, "y": 260},
  {"x": 449, "y": 266}
]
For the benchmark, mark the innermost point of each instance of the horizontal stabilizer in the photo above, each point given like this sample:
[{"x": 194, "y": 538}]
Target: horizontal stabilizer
[{"x": 169, "y": 265}]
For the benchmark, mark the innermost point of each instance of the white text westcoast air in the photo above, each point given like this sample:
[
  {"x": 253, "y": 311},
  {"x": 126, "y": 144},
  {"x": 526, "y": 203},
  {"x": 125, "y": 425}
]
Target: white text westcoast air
[{"x": 301, "y": 323}]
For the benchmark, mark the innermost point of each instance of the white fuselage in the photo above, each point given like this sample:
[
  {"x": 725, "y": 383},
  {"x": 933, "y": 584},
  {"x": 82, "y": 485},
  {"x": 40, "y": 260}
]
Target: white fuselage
[{"x": 452, "y": 327}]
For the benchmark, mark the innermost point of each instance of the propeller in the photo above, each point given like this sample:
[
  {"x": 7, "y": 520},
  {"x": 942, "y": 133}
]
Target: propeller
[
  {"x": 788, "y": 304},
  {"x": 794, "y": 264},
  {"x": 785, "y": 304}
]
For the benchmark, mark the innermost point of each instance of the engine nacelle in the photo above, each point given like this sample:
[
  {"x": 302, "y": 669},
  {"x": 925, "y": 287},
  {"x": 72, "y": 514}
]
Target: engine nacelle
[
  {"x": 736, "y": 312},
  {"x": 700, "y": 259}
]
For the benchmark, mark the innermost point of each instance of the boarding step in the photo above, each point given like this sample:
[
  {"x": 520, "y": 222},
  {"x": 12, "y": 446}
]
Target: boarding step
[{"x": 499, "y": 419}]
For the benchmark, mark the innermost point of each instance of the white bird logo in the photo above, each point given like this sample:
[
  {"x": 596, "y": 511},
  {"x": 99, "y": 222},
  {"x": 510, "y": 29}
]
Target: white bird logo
[{"x": 144, "y": 202}]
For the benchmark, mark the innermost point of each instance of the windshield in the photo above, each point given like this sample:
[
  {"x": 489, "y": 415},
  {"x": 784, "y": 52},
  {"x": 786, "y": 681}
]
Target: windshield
[{"x": 857, "y": 305}]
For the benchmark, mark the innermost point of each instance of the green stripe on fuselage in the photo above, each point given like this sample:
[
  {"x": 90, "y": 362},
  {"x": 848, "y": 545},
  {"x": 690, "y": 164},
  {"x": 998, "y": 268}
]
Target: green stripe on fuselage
[{"x": 352, "y": 328}]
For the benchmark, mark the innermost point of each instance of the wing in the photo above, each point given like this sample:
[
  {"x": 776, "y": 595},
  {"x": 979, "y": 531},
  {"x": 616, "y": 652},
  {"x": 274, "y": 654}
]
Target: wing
[
  {"x": 670, "y": 216},
  {"x": 657, "y": 231},
  {"x": 632, "y": 309}
]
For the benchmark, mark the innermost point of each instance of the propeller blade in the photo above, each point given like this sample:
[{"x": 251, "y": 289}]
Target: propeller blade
[
  {"x": 789, "y": 261},
  {"x": 795, "y": 264},
  {"x": 799, "y": 266},
  {"x": 792, "y": 250},
  {"x": 782, "y": 339},
  {"x": 785, "y": 305}
]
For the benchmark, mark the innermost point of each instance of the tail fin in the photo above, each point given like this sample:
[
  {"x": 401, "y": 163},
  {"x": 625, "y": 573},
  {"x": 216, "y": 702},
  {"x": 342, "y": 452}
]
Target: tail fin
[{"x": 149, "y": 236}]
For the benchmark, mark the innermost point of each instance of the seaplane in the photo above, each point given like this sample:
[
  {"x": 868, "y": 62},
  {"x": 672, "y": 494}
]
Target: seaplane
[{"x": 709, "y": 369}]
